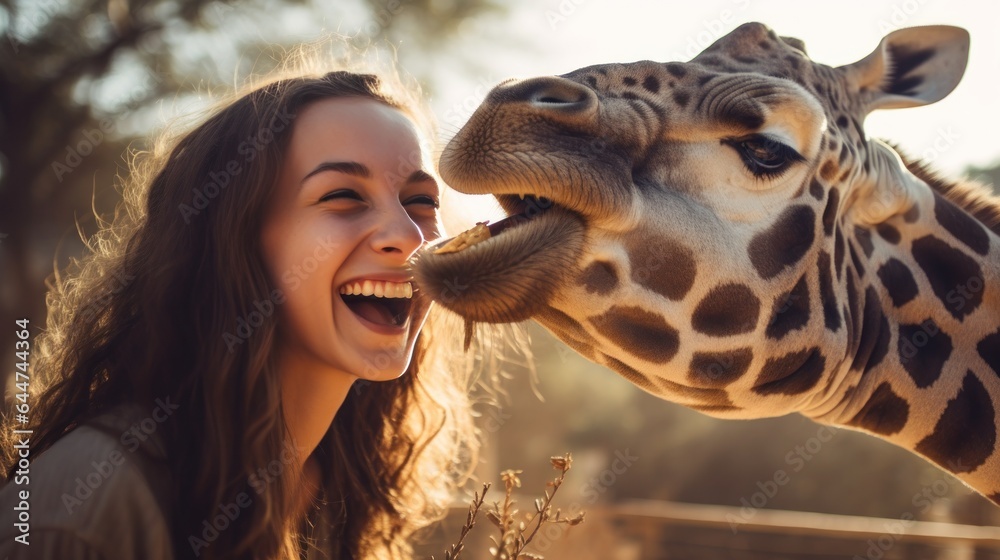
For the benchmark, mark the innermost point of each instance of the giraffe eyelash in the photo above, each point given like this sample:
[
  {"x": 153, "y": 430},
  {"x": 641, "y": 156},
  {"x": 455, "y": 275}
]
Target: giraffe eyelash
[{"x": 763, "y": 156}]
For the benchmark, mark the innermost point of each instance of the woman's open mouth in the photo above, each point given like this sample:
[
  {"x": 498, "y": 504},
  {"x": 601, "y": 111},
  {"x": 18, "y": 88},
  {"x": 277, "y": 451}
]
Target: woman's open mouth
[
  {"x": 506, "y": 271},
  {"x": 380, "y": 302}
]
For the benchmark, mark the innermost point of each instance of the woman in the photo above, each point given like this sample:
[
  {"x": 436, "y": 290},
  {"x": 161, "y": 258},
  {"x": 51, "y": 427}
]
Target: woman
[{"x": 233, "y": 371}]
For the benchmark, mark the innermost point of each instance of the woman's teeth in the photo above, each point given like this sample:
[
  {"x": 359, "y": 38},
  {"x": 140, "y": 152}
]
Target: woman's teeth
[{"x": 378, "y": 288}]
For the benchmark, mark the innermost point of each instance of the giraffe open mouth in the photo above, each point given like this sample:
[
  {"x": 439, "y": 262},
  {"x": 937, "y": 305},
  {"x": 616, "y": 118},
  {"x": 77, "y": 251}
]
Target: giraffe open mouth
[{"x": 509, "y": 274}]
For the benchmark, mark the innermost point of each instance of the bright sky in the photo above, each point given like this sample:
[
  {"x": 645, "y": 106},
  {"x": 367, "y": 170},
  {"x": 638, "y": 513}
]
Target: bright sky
[
  {"x": 544, "y": 37},
  {"x": 556, "y": 36}
]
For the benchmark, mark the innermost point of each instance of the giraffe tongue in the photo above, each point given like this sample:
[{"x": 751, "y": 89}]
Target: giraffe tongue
[{"x": 530, "y": 207}]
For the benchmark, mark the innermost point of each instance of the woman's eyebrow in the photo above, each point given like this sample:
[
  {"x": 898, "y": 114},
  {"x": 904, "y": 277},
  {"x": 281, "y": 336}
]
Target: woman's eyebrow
[
  {"x": 419, "y": 176},
  {"x": 348, "y": 167}
]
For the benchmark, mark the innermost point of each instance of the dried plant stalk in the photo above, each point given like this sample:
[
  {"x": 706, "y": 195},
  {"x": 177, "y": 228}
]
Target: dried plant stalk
[{"x": 513, "y": 542}]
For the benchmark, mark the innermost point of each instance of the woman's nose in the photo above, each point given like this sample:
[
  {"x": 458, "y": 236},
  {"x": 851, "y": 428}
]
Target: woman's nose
[{"x": 397, "y": 234}]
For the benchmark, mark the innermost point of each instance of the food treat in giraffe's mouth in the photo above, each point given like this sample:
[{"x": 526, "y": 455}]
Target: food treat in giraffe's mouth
[
  {"x": 505, "y": 271},
  {"x": 467, "y": 238},
  {"x": 484, "y": 230}
]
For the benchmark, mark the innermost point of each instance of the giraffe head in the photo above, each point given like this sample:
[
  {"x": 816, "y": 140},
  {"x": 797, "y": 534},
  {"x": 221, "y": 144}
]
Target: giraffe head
[{"x": 688, "y": 224}]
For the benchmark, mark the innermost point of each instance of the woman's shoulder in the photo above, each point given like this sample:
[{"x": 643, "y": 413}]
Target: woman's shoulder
[{"x": 101, "y": 491}]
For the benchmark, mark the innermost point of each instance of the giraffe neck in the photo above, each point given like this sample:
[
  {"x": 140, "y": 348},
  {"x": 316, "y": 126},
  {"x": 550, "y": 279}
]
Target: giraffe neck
[{"x": 922, "y": 367}]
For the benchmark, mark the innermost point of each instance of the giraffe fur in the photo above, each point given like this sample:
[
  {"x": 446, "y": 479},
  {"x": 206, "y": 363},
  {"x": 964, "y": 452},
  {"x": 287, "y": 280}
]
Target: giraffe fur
[{"x": 723, "y": 233}]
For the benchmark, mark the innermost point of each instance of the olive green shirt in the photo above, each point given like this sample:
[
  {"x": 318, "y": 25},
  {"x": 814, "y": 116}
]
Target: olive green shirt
[{"x": 99, "y": 493}]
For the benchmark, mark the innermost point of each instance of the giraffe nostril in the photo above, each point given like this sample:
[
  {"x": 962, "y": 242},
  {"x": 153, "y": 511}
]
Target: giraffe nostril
[
  {"x": 557, "y": 96},
  {"x": 549, "y": 99}
]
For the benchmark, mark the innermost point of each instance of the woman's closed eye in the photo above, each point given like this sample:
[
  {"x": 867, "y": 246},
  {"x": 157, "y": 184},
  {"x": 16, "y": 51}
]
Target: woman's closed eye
[
  {"x": 341, "y": 194},
  {"x": 423, "y": 200}
]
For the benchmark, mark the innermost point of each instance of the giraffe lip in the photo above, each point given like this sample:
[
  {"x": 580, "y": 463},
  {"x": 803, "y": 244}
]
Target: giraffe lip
[
  {"x": 518, "y": 210},
  {"x": 509, "y": 276}
]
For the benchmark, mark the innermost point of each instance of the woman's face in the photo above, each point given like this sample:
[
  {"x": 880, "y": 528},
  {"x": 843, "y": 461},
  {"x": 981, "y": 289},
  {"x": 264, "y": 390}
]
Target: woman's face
[{"x": 355, "y": 199}]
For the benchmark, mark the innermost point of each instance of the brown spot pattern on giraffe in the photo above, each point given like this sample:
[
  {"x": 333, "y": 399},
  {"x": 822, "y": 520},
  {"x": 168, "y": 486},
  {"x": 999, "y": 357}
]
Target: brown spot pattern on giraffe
[
  {"x": 665, "y": 267},
  {"x": 599, "y": 278},
  {"x": 889, "y": 233},
  {"x": 830, "y": 213},
  {"x": 856, "y": 261},
  {"x": 947, "y": 268},
  {"x": 898, "y": 282},
  {"x": 864, "y": 238},
  {"x": 816, "y": 189},
  {"x": 869, "y": 331},
  {"x": 708, "y": 397},
  {"x": 989, "y": 351},
  {"x": 639, "y": 332},
  {"x": 885, "y": 413},
  {"x": 630, "y": 374},
  {"x": 828, "y": 170},
  {"x": 651, "y": 84},
  {"x": 838, "y": 254},
  {"x": 853, "y": 316},
  {"x": 784, "y": 243},
  {"x": 791, "y": 374},
  {"x": 790, "y": 311},
  {"x": 881, "y": 348},
  {"x": 718, "y": 369},
  {"x": 676, "y": 69},
  {"x": 966, "y": 432},
  {"x": 569, "y": 330},
  {"x": 726, "y": 310},
  {"x": 964, "y": 227},
  {"x": 923, "y": 350},
  {"x": 831, "y": 308}
]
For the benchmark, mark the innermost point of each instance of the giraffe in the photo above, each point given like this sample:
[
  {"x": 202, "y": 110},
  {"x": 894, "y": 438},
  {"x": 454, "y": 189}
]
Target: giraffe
[{"x": 723, "y": 234}]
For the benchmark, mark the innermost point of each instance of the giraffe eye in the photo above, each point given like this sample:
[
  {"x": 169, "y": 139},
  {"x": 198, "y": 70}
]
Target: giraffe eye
[{"x": 764, "y": 156}]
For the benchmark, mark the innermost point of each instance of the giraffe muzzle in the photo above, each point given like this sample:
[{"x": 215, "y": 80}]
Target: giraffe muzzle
[{"x": 505, "y": 272}]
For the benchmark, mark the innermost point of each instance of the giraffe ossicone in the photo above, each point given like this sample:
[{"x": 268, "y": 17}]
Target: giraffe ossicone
[{"x": 722, "y": 233}]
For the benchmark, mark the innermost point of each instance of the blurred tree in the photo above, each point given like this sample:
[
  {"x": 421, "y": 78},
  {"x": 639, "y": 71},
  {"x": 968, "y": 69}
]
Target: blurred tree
[
  {"x": 77, "y": 79},
  {"x": 989, "y": 175}
]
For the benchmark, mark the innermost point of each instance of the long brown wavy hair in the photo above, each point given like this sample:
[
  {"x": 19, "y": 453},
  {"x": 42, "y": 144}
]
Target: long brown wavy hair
[{"x": 143, "y": 316}]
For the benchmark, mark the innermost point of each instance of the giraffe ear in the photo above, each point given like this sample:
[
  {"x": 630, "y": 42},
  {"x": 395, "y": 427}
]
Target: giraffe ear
[{"x": 912, "y": 67}]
